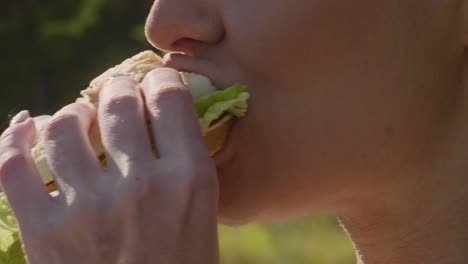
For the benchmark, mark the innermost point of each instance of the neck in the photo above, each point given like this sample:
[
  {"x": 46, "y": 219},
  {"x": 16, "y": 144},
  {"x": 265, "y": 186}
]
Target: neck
[
  {"x": 440, "y": 236},
  {"x": 427, "y": 224}
]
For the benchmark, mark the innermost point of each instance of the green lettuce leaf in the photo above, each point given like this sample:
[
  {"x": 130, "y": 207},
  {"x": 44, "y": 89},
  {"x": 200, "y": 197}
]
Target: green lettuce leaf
[
  {"x": 211, "y": 107},
  {"x": 237, "y": 107},
  {"x": 10, "y": 244},
  {"x": 202, "y": 104}
]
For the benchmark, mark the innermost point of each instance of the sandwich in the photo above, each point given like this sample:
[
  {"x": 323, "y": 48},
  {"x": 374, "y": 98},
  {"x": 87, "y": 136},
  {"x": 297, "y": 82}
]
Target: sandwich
[{"x": 216, "y": 110}]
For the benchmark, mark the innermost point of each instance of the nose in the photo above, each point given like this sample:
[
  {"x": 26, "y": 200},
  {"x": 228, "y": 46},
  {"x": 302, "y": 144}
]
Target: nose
[{"x": 176, "y": 25}]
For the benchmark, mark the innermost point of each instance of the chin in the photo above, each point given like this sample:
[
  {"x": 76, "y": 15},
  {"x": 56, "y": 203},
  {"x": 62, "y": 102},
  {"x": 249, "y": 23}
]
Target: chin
[
  {"x": 238, "y": 215},
  {"x": 232, "y": 222},
  {"x": 242, "y": 168},
  {"x": 241, "y": 199},
  {"x": 233, "y": 206}
]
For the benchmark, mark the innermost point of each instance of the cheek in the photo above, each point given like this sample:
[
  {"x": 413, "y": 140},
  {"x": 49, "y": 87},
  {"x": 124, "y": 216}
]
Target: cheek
[
  {"x": 277, "y": 36},
  {"x": 340, "y": 93}
]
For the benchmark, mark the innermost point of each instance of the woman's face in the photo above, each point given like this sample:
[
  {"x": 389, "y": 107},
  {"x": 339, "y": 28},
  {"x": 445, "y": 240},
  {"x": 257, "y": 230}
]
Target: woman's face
[{"x": 348, "y": 97}]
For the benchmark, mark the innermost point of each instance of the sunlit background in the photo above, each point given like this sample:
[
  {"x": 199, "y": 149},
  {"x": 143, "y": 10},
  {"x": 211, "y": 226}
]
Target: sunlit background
[{"x": 52, "y": 49}]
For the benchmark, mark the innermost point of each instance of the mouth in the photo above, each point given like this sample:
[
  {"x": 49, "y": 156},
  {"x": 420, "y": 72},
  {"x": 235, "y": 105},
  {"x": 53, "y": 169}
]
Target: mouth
[{"x": 187, "y": 63}]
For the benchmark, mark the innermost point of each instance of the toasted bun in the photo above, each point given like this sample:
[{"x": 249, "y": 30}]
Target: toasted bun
[{"x": 136, "y": 67}]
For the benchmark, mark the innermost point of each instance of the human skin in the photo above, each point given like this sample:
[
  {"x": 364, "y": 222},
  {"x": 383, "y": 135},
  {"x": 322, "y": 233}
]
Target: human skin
[
  {"x": 140, "y": 208},
  {"x": 358, "y": 108}
]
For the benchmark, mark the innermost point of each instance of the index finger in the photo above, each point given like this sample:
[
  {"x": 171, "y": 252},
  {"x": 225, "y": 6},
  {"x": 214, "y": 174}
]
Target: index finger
[{"x": 173, "y": 117}]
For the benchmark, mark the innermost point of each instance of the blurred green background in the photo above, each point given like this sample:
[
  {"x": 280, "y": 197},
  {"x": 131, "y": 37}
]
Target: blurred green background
[{"x": 52, "y": 49}]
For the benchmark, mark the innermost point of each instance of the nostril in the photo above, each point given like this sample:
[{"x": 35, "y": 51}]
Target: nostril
[{"x": 186, "y": 30}]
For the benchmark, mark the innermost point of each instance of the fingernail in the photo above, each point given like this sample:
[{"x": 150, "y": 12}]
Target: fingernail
[
  {"x": 168, "y": 58},
  {"x": 20, "y": 117},
  {"x": 118, "y": 74},
  {"x": 113, "y": 77}
]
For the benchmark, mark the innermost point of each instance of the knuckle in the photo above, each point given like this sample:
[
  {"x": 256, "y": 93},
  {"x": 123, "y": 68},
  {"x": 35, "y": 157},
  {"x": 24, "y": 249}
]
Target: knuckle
[
  {"x": 8, "y": 137},
  {"x": 120, "y": 103},
  {"x": 70, "y": 118},
  {"x": 12, "y": 135},
  {"x": 8, "y": 133},
  {"x": 204, "y": 178},
  {"x": 78, "y": 109},
  {"x": 170, "y": 93},
  {"x": 200, "y": 181},
  {"x": 60, "y": 124},
  {"x": 89, "y": 211},
  {"x": 41, "y": 122},
  {"x": 75, "y": 108},
  {"x": 194, "y": 173},
  {"x": 201, "y": 171},
  {"x": 46, "y": 231},
  {"x": 139, "y": 187},
  {"x": 11, "y": 160},
  {"x": 12, "y": 154},
  {"x": 134, "y": 194},
  {"x": 92, "y": 201}
]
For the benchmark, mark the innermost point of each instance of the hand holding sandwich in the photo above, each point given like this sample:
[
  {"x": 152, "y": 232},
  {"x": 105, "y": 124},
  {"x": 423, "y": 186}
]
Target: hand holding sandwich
[{"x": 141, "y": 208}]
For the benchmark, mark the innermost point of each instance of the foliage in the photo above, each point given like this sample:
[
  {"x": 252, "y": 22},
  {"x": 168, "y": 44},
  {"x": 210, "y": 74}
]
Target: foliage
[
  {"x": 52, "y": 49},
  {"x": 312, "y": 240}
]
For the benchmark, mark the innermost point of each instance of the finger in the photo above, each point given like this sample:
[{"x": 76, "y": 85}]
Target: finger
[
  {"x": 69, "y": 152},
  {"x": 190, "y": 64},
  {"x": 19, "y": 179},
  {"x": 186, "y": 63},
  {"x": 202, "y": 221},
  {"x": 122, "y": 123},
  {"x": 175, "y": 125},
  {"x": 41, "y": 122}
]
